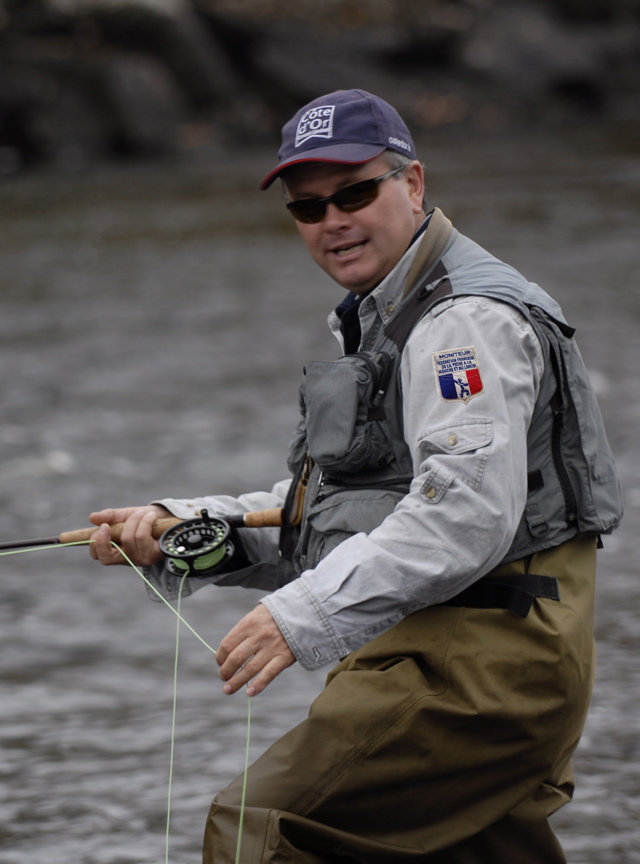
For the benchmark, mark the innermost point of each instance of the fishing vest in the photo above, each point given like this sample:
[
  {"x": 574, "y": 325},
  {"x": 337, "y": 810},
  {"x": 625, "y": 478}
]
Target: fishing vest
[{"x": 349, "y": 451}]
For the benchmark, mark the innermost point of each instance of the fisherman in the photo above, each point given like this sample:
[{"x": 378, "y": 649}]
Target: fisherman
[{"x": 458, "y": 479}]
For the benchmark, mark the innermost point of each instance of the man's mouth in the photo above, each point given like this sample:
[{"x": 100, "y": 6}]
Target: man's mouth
[{"x": 348, "y": 250}]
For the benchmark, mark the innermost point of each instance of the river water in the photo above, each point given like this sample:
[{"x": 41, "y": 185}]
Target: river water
[{"x": 153, "y": 323}]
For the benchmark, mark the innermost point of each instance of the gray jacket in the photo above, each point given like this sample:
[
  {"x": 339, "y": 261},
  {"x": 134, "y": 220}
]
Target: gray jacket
[{"x": 478, "y": 456}]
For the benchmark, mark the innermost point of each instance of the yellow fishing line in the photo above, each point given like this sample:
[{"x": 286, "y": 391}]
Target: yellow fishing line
[
  {"x": 174, "y": 709},
  {"x": 179, "y": 620}
]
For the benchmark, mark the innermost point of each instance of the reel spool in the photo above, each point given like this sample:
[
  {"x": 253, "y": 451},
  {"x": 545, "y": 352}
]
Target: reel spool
[{"x": 197, "y": 547}]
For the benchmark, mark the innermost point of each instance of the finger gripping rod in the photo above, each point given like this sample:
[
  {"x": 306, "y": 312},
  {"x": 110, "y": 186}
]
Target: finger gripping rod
[{"x": 257, "y": 519}]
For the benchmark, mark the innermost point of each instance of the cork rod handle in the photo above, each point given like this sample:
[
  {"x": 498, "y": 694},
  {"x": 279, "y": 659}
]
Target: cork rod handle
[{"x": 159, "y": 527}]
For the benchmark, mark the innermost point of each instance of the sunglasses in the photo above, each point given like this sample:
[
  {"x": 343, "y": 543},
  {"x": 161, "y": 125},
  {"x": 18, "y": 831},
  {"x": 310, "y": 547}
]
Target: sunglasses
[{"x": 349, "y": 199}]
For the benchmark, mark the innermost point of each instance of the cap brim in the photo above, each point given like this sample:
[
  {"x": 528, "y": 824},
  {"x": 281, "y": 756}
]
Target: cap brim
[{"x": 345, "y": 154}]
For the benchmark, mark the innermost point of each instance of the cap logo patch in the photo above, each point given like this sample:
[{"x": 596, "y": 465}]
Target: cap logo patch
[
  {"x": 315, "y": 123},
  {"x": 457, "y": 374}
]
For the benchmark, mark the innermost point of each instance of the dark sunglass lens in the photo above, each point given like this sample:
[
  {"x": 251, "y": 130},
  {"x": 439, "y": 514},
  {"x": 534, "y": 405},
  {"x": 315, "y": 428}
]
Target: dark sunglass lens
[
  {"x": 356, "y": 196},
  {"x": 307, "y": 210},
  {"x": 349, "y": 199}
]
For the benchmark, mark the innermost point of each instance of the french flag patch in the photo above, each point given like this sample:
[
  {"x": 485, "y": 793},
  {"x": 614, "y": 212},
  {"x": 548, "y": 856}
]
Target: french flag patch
[{"x": 457, "y": 374}]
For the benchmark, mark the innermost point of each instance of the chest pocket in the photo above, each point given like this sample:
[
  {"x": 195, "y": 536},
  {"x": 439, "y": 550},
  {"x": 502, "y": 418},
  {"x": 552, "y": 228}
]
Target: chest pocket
[{"x": 343, "y": 404}]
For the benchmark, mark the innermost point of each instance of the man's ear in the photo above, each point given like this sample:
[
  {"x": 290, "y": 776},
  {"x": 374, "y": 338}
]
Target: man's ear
[{"x": 414, "y": 176}]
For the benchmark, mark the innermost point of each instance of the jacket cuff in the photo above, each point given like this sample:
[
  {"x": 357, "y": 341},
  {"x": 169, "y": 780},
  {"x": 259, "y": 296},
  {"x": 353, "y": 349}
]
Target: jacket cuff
[{"x": 305, "y": 626}]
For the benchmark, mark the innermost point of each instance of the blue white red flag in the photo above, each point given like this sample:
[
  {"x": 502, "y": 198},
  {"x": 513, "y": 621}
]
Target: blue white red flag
[{"x": 457, "y": 374}]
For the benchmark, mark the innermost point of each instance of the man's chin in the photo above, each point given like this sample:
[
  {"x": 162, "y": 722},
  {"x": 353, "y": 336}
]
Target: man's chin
[{"x": 359, "y": 283}]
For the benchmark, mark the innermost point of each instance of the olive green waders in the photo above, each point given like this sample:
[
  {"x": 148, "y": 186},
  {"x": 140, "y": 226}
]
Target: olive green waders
[{"x": 446, "y": 739}]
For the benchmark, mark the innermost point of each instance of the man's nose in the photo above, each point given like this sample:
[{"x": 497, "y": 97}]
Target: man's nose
[{"x": 335, "y": 216}]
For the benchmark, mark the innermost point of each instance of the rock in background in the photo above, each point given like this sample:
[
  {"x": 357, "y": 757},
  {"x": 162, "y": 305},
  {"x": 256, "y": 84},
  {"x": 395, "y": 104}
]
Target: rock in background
[{"x": 87, "y": 80}]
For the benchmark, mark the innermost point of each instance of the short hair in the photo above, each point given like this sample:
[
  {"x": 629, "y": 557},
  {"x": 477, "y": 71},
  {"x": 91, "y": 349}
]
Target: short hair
[{"x": 399, "y": 160}]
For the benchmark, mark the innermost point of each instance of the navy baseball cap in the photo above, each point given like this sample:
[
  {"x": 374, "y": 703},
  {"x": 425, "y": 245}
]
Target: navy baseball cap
[{"x": 349, "y": 127}]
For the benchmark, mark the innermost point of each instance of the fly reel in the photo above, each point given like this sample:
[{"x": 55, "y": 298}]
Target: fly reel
[{"x": 197, "y": 547}]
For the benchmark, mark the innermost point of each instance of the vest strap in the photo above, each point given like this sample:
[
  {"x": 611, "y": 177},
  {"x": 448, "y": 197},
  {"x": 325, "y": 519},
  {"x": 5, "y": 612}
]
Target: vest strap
[
  {"x": 431, "y": 247},
  {"x": 436, "y": 287},
  {"x": 515, "y": 593}
]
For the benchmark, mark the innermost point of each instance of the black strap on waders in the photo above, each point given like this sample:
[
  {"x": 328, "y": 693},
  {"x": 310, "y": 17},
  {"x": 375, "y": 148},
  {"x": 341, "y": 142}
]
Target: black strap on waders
[{"x": 515, "y": 593}]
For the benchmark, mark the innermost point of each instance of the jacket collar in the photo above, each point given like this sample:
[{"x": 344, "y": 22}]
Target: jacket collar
[
  {"x": 431, "y": 247},
  {"x": 421, "y": 256}
]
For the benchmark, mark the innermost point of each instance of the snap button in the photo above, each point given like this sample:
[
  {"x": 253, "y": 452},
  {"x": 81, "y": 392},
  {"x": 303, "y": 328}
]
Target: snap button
[
  {"x": 453, "y": 440},
  {"x": 389, "y": 307},
  {"x": 431, "y": 492}
]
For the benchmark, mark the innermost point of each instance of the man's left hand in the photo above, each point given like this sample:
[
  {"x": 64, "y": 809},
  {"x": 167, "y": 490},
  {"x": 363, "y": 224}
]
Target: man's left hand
[{"x": 255, "y": 650}]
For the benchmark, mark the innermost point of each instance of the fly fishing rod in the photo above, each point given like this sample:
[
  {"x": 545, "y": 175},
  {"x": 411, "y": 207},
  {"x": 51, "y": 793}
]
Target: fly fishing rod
[{"x": 197, "y": 546}]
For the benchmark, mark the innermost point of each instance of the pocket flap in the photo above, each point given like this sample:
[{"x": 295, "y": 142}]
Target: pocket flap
[
  {"x": 460, "y": 437},
  {"x": 331, "y": 395}
]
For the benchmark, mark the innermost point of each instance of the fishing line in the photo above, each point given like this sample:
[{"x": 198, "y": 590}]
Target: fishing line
[
  {"x": 179, "y": 620},
  {"x": 139, "y": 572},
  {"x": 174, "y": 710}
]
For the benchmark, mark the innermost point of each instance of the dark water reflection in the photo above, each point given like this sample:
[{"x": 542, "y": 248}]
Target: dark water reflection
[{"x": 152, "y": 326}]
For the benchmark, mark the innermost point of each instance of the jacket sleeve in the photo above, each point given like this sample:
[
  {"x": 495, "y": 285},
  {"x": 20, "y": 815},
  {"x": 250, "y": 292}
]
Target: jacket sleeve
[
  {"x": 469, "y": 450},
  {"x": 260, "y": 545}
]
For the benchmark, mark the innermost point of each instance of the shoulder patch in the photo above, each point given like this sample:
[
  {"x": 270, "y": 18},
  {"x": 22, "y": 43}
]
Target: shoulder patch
[{"x": 457, "y": 374}]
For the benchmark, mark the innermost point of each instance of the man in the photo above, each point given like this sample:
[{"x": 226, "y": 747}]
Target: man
[{"x": 457, "y": 479}]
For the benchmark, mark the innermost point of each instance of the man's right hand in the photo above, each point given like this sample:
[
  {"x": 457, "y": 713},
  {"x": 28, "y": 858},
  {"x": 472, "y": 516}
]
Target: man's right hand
[{"x": 136, "y": 539}]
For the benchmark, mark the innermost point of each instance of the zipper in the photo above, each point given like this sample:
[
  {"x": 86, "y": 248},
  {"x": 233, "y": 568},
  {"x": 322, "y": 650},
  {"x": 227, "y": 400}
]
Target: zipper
[
  {"x": 570, "y": 503},
  {"x": 557, "y": 411},
  {"x": 355, "y": 487}
]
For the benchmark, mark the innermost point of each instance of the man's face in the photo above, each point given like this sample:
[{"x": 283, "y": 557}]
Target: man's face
[{"x": 358, "y": 249}]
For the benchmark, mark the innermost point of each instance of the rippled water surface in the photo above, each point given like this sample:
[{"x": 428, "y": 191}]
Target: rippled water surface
[{"x": 153, "y": 322}]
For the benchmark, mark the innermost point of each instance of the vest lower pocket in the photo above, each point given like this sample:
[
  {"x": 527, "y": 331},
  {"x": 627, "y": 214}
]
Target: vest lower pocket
[{"x": 337, "y": 514}]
